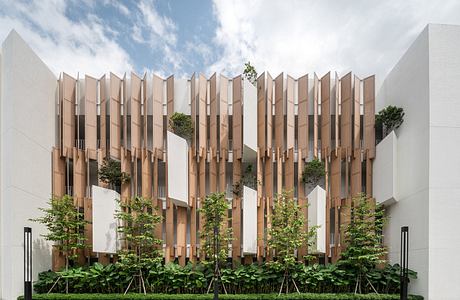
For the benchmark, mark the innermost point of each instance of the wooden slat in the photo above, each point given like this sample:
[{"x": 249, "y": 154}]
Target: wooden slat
[
  {"x": 356, "y": 117},
  {"x": 328, "y": 210},
  {"x": 223, "y": 110},
  {"x": 260, "y": 207},
  {"x": 181, "y": 234},
  {"x": 103, "y": 116},
  {"x": 325, "y": 115},
  {"x": 58, "y": 174},
  {"x": 290, "y": 118},
  {"x": 346, "y": 118},
  {"x": 369, "y": 177},
  {"x": 91, "y": 116},
  {"x": 336, "y": 180},
  {"x": 124, "y": 114},
  {"x": 261, "y": 114},
  {"x": 269, "y": 113},
  {"x": 302, "y": 200},
  {"x": 279, "y": 113},
  {"x": 88, "y": 228},
  {"x": 68, "y": 115},
  {"x": 315, "y": 115},
  {"x": 236, "y": 215},
  {"x": 146, "y": 100},
  {"x": 146, "y": 173},
  {"x": 158, "y": 116},
  {"x": 193, "y": 205},
  {"x": 115, "y": 116},
  {"x": 202, "y": 116},
  {"x": 355, "y": 181},
  {"x": 289, "y": 172},
  {"x": 213, "y": 140},
  {"x": 79, "y": 176},
  {"x": 237, "y": 119},
  {"x": 337, "y": 104},
  {"x": 302, "y": 128},
  {"x": 279, "y": 171},
  {"x": 136, "y": 121},
  {"x": 268, "y": 184},
  {"x": 202, "y": 196},
  {"x": 369, "y": 116},
  {"x": 125, "y": 167},
  {"x": 193, "y": 97},
  {"x": 170, "y": 96}
]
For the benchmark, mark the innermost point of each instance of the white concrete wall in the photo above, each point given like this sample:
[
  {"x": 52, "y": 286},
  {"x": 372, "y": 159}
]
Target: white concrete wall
[
  {"x": 249, "y": 221},
  {"x": 27, "y": 120},
  {"x": 444, "y": 163},
  {"x": 385, "y": 177},
  {"x": 105, "y": 224},
  {"x": 317, "y": 217},
  {"x": 177, "y": 169}
]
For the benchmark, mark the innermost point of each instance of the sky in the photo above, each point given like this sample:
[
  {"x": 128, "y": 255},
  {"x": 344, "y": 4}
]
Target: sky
[{"x": 181, "y": 37}]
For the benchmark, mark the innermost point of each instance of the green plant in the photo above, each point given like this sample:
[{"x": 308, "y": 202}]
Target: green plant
[
  {"x": 110, "y": 173},
  {"x": 313, "y": 172},
  {"x": 248, "y": 179},
  {"x": 138, "y": 219},
  {"x": 181, "y": 124},
  {"x": 250, "y": 73},
  {"x": 391, "y": 117},
  {"x": 363, "y": 237},
  {"x": 286, "y": 234}
]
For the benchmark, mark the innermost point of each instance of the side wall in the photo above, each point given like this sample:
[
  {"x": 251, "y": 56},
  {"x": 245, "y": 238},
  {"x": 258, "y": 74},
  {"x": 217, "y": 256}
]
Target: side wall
[
  {"x": 444, "y": 205},
  {"x": 407, "y": 86},
  {"x": 27, "y": 116}
]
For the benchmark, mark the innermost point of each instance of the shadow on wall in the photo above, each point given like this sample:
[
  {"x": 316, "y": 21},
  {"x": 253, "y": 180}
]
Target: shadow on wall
[{"x": 41, "y": 255}]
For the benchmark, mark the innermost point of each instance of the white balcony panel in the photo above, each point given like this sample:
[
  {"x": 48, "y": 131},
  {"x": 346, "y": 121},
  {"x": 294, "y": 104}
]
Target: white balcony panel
[
  {"x": 177, "y": 169},
  {"x": 317, "y": 217},
  {"x": 105, "y": 206},
  {"x": 385, "y": 164},
  {"x": 249, "y": 122},
  {"x": 249, "y": 221}
]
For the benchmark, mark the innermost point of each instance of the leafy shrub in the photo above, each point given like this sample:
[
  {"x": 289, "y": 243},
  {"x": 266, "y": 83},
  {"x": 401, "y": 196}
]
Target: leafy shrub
[
  {"x": 245, "y": 279},
  {"x": 181, "y": 124},
  {"x": 313, "y": 172},
  {"x": 391, "y": 117},
  {"x": 110, "y": 173}
]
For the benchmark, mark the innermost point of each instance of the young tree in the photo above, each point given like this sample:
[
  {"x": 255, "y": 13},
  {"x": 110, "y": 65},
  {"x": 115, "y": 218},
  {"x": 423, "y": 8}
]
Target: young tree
[
  {"x": 250, "y": 73},
  {"x": 391, "y": 117},
  {"x": 110, "y": 173},
  {"x": 65, "y": 226},
  {"x": 181, "y": 124},
  {"x": 313, "y": 172},
  {"x": 215, "y": 236},
  {"x": 363, "y": 237},
  {"x": 137, "y": 222},
  {"x": 286, "y": 234}
]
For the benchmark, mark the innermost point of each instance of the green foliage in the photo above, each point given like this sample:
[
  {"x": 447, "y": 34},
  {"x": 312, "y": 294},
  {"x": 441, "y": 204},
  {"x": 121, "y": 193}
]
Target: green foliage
[
  {"x": 110, "y": 173},
  {"x": 138, "y": 219},
  {"x": 286, "y": 232},
  {"x": 245, "y": 279},
  {"x": 65, "y": 226},
  {"x": 224, "y": 297},
  {"x": 363, "y": 237},
  {"x": 250, "y": 73},
  {"x": 214, "y": 210},
  {"x": 313, "y": 172},
  {"x": 248, "y": 179},
  {"x": 181, "y": 124},
  {"x": 391, "y": 117}
]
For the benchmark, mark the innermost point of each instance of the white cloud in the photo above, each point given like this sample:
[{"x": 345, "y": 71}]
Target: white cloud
[
  {"x": 85, "y": 46},
  {"x": 298, "y": 37}
]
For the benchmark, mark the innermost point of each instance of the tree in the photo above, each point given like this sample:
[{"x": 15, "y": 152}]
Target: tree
[
  {"x": 363, "y": 237},
  {"x": 250, "y": 73},
  {"x": 65, "y": 225},
  {"x": 391, "y": 117},
  {"x": 286, "y": 234},
  {"x": 215, "y": 236},
  {"x": 181, "y": 124},
  {"x": 138, "y": 219},
  {"x": 110, "y": 173},
  {"x": 248, "y": 179},
  {"x": 313, "y": 172}
]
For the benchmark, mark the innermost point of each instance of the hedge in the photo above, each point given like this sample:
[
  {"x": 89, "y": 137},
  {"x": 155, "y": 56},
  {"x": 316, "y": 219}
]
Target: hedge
[{"x": 304, "y": 296}]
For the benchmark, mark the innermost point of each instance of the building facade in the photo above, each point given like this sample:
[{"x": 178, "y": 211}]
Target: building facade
[{"x": 57, "y": 130}]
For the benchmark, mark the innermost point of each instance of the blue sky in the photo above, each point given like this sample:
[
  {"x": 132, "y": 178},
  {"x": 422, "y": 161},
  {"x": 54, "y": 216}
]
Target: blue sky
[{"x": 181, "y": 37}]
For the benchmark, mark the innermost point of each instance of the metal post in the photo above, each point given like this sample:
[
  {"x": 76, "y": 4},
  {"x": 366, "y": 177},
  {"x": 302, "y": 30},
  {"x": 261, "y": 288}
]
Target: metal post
[
  {"x": 404, "y": 262},
  {"x": 27, "y": 263}
]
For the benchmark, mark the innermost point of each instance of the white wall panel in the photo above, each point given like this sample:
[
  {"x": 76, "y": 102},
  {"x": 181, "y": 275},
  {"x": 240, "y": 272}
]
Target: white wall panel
[
  {"x": 249, "y": 122},
  {"x": 182, "y": 95},
  {"x": 384, "y": 170},
  {"x": 249, "y": 221},
  {"x": 317, "y": 217},
  {"x": 177, "y": 169},
  {"x": 105, "y": 206}
]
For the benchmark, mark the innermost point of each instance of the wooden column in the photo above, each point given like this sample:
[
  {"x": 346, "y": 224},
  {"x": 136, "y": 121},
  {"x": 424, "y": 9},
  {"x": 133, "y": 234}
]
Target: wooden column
[
  {"x": 103, "y": 116},
  {"x": 67, "y": 115},
  {"x": 115, "y": 116},
  {"x": 91, "y": 117},
  {"x": 237, "y": 165}
]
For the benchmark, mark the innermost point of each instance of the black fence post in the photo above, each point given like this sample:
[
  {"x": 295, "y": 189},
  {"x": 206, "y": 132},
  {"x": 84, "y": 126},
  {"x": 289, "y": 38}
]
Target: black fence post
[
  {"x": 27, "y": 263},
  {"x": 404, "y": 262}
]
